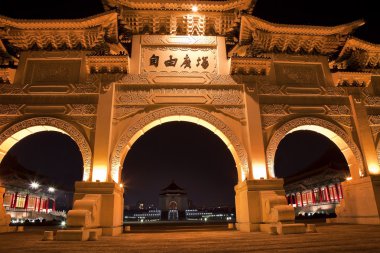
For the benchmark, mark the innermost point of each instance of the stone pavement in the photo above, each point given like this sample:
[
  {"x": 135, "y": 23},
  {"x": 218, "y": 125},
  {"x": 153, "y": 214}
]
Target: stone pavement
[{"x": 330, "y": 238}]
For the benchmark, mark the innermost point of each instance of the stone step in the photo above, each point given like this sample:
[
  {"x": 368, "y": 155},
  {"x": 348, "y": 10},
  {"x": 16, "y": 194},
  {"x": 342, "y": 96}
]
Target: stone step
[{"x": 295, "y": 228}]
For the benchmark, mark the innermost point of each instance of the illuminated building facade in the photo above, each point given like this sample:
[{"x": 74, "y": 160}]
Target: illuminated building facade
[
  {"x": 318, "y": 190},
  {"x": 28, "y": 195},
  {"x": 173, "y": 202},
  {"x": 212, "y": 63}
]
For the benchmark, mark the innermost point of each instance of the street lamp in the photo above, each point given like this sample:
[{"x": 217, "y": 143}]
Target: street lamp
[
  {"x": 34, "y": 185},
  {"x": 51, "y": 189}
]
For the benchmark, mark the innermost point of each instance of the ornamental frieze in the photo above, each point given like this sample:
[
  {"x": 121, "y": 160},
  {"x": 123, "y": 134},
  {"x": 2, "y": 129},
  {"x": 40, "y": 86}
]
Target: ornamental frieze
[
  {"x": 277, "y": 109},
  {"x": 10, "y": 109},
  {"x": 6, "y": 88},
  {"x": 234, "y": 112},
  {"x": 270, "y": 120},
  {"x": 124, "y": 111},
  {"x": 281, "y": 109},
  {"x": 338, "y": 110},
  {"x": 372, "y": 101},
  {"x": 175, "y": 95},
  {"x": 82, "y": 109},
  {"x": 86, "y": 121},
  {"x": 374, "y": 119},
  {"x": 156, "y": 40}
]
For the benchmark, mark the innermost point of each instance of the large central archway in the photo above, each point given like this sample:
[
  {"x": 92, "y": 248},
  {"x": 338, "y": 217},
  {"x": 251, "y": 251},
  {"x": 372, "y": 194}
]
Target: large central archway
[
  {"x": 337, "y": 135},
  {"x": 22, "y": 129},
  {"x": 179, "y": 113}
]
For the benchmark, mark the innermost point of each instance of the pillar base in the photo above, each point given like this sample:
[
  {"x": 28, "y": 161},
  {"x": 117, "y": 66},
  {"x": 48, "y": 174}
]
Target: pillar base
[
  {"x": 108, "y": 217},
  {"x": 254, "y": 210},
  {"x": 248, "y": 227},
  {"x": 5, "y": 219},
  {"x": 361, "y": 202}
]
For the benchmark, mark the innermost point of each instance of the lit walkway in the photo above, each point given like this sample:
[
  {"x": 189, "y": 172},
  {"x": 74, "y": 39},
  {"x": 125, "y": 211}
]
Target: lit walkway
[{"x": 330, "y": 238}]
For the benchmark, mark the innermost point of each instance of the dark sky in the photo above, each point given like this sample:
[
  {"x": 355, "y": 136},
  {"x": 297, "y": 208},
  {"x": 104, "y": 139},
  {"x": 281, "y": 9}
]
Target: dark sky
[{"x": 194, "y": 157}]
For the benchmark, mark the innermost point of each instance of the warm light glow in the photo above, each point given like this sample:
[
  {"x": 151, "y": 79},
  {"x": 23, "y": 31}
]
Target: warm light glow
[
  {"x": 99, "y": 173},
  {"x": 374, "y": 169},
  {"x": 348, "y": 178},
  {"x": 34, "y": 185},
  {"x": 121, "y": 185},
  {"x": 242, "y": 171},
  {"x": 194, "y": 8},
  {"x": 51, "y": 189},
  {"x": 259, "y": 171}
]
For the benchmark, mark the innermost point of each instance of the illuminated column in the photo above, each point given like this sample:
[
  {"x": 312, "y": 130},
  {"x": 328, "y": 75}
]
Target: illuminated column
[
  {"x": 296, "y": 199},
  {"x": 341, "y": 190},
  {"x": 35, "y": 203},
  {"x": 328, "y": 194},
  {"x": 307, "y": 198},
  {"x": 365, "y": 138},
  {"x": 337, "y": 192},
  {"x": 26, "y": 201},
  {"x": 255, "y": 141},
  {"x": 15, "y": 200},
  {"x": 333, "y": 193},
  {"x": 47, "y": 205},
  {"x": 12, "y": 200},
  {"x": 103, "y": 135},
  {"x": 291, "y": 199},
  {"x": 53, "y": 205},
  {"x": 313, "y": 196},
  {"x": 301, "y": 199},
  {"x": 39, "y": 204},
  {"x": 320, "y": 195}
]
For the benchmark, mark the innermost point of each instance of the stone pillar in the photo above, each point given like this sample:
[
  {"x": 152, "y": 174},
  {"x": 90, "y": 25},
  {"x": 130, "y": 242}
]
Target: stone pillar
[
  {"x": 103, "y": 135},
  {"x": 112, "y": 204},
  {"x": 365, "y": 138},
  {"x": 256, "y": 149},
  {"x": 361, "y": 203},
  {"x": 5, "y": 219}
]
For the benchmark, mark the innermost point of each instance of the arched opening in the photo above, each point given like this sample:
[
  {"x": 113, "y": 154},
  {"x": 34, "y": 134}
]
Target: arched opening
[
  {"x": 200, "y": 166},
  {"x": 39, "y": 173},
  {"x": 22, "y": 129},
  {"x": 314, "y": 157},
  {"x": 41, "y": 158},
  {"x": 338, "y": 136},
  {"x": 177, "y": 114},
  {"x": 313, "y": 168}
]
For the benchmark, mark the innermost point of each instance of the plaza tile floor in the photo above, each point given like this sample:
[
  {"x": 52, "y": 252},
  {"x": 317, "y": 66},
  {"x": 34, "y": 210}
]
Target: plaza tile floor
[{"x": 330, "y": 238}]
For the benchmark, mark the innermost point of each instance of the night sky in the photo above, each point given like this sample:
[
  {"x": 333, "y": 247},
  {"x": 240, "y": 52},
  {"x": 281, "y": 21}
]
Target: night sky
[{"x": 191, "y": 155}]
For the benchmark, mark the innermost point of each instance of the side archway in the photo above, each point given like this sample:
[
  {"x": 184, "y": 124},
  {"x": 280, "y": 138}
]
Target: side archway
[
  {"x": 337, "y": 135},
  {"x": 22, "y": 129},
  {"x": 178, "y": 113}
]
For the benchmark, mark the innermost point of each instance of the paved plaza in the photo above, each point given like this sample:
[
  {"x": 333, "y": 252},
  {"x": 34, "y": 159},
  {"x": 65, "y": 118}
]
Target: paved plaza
[{"x": 330, "y": 238}]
